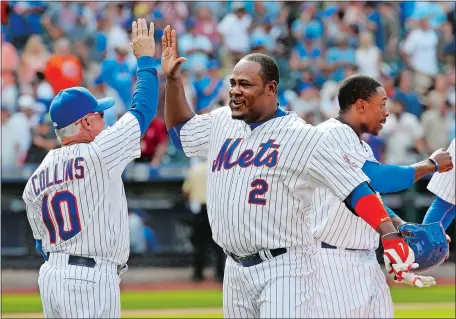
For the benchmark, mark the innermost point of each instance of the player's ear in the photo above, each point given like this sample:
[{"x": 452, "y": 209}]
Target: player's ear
[
  {"x": 360, "y": 106},
  {"x": 271, "y": 87}
]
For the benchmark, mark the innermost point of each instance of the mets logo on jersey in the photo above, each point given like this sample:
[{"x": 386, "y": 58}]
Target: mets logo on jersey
[{"x": 263, "y": 157}]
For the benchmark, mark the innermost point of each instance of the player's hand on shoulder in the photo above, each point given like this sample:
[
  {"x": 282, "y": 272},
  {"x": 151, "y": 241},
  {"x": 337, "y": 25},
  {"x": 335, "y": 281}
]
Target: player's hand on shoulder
[
  {"x": 143, "y": 42},
  {"x": 170, "y": 59},
  {"x": 443, "y": 158}
]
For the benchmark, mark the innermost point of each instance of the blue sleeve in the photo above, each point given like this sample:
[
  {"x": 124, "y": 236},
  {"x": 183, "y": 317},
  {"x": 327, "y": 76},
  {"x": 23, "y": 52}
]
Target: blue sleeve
[
  {"x": 174, "y": 133},
  {"x": 390, "y": 212},
  {"x": 389, "y": 178},
  {"x": 145, "y": 97},
  {"x": 39, "y": 248},
  {"x": 360, "y": 191},
  {"x": 440, "y": 211}
]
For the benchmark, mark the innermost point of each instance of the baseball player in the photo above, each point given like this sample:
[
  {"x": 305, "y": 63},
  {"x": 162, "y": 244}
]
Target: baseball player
[
  {"x": 264, "y": 164},
  {"x": 442, "y": 185},
  {"x": 75, "y": 200},
  {"x": 345, "y": 242}
]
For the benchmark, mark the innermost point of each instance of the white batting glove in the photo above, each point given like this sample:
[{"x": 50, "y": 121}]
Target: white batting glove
[{"x": 401, "y": 275}]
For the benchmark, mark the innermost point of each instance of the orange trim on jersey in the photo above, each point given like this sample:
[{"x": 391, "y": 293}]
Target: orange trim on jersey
[{"x": 371, "y": 210}]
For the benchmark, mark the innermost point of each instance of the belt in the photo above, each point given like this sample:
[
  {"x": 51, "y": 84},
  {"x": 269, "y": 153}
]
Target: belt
[
  {"x": 80, "y": 261},
  {"x": 90, "y": 263},
  {"x": 257, "y": 258},
  {"x": 325, "y": 245}
]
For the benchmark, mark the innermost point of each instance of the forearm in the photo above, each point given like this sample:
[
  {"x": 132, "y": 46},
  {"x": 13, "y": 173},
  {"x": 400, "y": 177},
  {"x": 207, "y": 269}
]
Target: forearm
[
  {"x": 177, "y": 110},
  {"x": 366, "y": 204},
  {"x": 389, "y": 178},
  {"x": 440, "y": 211},
  {"x": 423, "y": 168},
  {"x": 145, "y": 97}
]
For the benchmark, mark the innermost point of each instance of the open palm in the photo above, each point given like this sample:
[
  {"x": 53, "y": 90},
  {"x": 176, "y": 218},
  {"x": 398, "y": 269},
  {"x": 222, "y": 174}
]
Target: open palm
[{"x": 170, "y": 59}]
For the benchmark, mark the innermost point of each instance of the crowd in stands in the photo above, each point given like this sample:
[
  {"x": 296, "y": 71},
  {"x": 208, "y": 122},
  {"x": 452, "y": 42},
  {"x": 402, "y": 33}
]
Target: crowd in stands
[{"x": 409, "y": 47}]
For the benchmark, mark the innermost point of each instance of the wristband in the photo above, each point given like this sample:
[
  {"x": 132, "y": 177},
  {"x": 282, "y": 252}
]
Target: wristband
[
  {"x": 435, "y": 163},
  {"x": 392, "y": 236}
]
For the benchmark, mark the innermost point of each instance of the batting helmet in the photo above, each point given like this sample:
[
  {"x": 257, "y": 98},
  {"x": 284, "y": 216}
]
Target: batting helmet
[{"x": 428, "y": 242}]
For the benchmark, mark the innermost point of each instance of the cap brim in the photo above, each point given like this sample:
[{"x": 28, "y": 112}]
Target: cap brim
[{"x": 104, "y": 104}]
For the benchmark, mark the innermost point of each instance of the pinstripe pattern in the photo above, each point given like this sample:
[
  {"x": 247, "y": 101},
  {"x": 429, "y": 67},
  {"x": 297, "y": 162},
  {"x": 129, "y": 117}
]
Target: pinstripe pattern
[
  {"x": 333, "y": 222},
  {"x": 79, "y": 292},
  {"x": 281, "y": 287},
  {"x": 344, "y": 293},
  {"x": 103, "y": 215},
  {"x": 442, "y": 184}
]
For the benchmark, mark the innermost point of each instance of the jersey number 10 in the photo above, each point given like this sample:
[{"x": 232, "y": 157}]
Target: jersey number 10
[{"x": 60, "y": 198}]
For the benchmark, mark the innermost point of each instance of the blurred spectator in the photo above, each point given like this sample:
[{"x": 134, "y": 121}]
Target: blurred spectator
[
  {"x": 391, "y": 28},
  {"x": 420, "y": 49},
  {"x": 11, "y": 141},
  {"x": 63, "y": 70},
  {"x": 315, "y": 45},
  {"x": 101, "y": 90},
  {"x": 267, "y": 33},
  {"x": 117, "y": 73},
  {"x": 234, "y": 30},
  {"x": 24, "y": 20},
  {"x": 403, "y": 135},
  {"x": 43, "y": 141},
  {"x": 439, "y": 94},
  {"x": 437, "y": 123},
  {"x": 206, "y": 25},
  {"x": 10, "y": 67},
  {"x": 375, "y": 23},
  {"x": 208, "y": 88},
  {"x": 368, "y": 56},
  {"x": 33, "y": 59},
  {"x": 338, "y": 58},
  {"x": 42, "y": 90},
  {"x": 194, "y": 189},
  {"x": 22, "y": 123},
  {"x": 195, "y": 47},
  {"x": 405, "y": 93},
  {"x": 306, "y": 54},
  {"x": 154, "y": 143}
]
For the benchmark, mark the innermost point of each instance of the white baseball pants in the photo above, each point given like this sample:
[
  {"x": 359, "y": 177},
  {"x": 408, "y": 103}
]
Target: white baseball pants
[
  {"x": 351, "y": 284},
  {"x": 281, "y": 287},
  {"x": 69, "y": 291}
]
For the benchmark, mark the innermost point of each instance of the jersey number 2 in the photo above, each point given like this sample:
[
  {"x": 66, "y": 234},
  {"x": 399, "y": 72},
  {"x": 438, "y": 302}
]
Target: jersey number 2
[
  {"x": 74, "y": 223},
  {"x": 260, "y": 187}
]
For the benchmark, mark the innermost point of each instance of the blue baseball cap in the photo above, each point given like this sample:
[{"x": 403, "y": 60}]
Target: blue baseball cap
[{"x": 72, "y": 104}]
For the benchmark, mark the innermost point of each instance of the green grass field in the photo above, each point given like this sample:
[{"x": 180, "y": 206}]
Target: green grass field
[{"x": 435, "y": 302}]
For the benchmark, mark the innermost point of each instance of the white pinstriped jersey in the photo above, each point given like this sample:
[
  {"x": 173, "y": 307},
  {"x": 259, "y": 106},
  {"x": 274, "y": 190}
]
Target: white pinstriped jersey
[
  {"x": 260, "y": 181},
  {"x": 442, "y": 184},
  {"x": 76, "y": 201},
  {"x": 334, "y": 223}
]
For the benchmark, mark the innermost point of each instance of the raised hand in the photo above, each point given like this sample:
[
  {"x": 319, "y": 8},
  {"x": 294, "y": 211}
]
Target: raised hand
[
  {"x": 170, "y": 59},
  {"x": 143, "y": 42}
]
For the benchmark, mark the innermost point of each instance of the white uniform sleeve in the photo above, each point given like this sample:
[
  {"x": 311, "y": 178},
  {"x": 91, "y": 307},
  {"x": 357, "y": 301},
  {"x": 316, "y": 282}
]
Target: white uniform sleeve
[
  {"x": 33, "y": 214},
  {"x": 442, "y": 184},
  {"x": 120, "y": 144},
  {"x": 195, "y": 135},
  {"x": 335, "y": 165}
]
